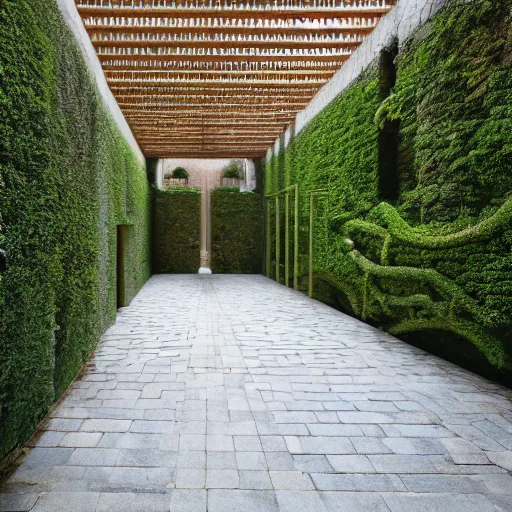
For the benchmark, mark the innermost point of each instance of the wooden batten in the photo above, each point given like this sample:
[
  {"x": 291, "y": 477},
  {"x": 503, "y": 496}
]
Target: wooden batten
[{"x": 212, "y": 79}]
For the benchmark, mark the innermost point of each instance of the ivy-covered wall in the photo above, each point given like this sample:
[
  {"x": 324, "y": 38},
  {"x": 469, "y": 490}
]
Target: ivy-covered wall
[
  {"x": 237, "y": 232},
  {"x": 67, "y": 179},
  {"x": 177, "y": 230},
  {"x": 437, "y": 260}
]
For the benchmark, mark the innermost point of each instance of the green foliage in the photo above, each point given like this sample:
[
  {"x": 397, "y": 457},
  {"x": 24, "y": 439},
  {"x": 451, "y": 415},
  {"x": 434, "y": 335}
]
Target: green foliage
[
  {"x": 453, "y": 98},
  {"x": 441, "y": 258},
  {"x": 337, "y": 151},
  {"x": 180, "y": 173},
  {"x": 399, "y": 231},
  {"x": 67, "y": 179},
  {"x": 231, "y": 173},
  {"x": 237, "y": 231},
  {"x": 177, "y": 230},
  {"x": 232, "y": 170}
]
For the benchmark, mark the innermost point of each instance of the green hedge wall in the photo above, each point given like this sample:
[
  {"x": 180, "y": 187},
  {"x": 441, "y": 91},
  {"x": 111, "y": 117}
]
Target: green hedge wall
[
  {"x": 67, "y": 179},
  {"x": 237, "y": 232},
  {"x": 438, "y": 260},
  {"x": 177, "y": 230}
]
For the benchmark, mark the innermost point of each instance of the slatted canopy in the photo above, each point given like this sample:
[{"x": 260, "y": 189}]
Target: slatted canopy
[{"x": 212, "y": 78}]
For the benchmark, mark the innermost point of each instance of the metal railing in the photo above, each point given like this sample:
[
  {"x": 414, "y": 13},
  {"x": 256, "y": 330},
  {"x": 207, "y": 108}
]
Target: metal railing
[
  {"x": 293, "y": 189},
  {"x": 312, "y": 194}
]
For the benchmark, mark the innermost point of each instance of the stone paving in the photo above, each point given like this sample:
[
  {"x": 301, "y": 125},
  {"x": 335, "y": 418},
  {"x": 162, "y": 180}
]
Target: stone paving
[{"x": 234, "y": 393}]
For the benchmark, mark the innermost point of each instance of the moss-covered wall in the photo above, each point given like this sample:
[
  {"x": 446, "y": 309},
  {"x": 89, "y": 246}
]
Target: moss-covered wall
[
  {"x": 67, "y": 179},
  {"x": 438, "y": 259},
  {"x": 177, "y": 230},
  {"x": 237, "y": 232}
]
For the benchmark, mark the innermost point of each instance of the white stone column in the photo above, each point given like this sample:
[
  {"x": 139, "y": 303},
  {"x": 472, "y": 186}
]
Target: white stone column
[{"x": 207, "y": 182}]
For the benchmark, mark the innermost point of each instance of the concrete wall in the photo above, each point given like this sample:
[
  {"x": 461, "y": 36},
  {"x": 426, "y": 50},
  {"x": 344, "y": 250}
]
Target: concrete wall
[
  {"x": 72, "y": 18},
  {"x": 196, "y": 167},
  {"x": 405, "y": 17}
]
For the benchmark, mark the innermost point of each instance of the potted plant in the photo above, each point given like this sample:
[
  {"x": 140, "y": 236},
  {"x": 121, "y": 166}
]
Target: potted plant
[
  {"x": 231, "y": 174},
  {"x": 177, "y": 178}
]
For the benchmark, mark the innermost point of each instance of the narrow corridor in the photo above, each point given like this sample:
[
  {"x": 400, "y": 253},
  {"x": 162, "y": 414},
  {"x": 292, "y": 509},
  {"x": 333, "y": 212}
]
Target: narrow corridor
[{"x": 233, "y": 393}]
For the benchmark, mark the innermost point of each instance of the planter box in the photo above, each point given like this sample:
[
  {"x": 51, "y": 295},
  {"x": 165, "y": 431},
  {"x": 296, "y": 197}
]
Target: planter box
[
  {"x": 231, "y": 182},
  {"x": 175, "y": 182}
]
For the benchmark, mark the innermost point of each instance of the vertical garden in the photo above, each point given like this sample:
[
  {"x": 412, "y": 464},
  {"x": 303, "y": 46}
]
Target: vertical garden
[
  {"x": 67, "y": 180},
  {"x": 177, "y": 230},
  {"x": 237, "y": 231},
  {"x": 432, "y": 255}
]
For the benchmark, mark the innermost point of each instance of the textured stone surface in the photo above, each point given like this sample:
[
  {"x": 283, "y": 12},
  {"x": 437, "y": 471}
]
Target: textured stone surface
[{"x": 233, "y": 393}]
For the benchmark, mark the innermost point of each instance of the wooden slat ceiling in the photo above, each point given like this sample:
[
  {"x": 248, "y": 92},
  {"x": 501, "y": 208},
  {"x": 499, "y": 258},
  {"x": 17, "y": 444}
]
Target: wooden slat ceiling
[{"x": 212, "y": 78}]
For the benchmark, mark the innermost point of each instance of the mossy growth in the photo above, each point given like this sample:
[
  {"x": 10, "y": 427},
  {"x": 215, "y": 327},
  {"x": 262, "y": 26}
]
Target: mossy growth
[
  {"x": 437, "y": 257},
  {"x": 177, "y": 230},
  {"x": 237, "y": 232},
  {"x": 67, "y": 180}
]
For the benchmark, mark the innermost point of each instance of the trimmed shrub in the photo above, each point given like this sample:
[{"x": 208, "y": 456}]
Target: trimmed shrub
[
  {"x": 237, "y": 231},
  {"x": 180, "y": 173},
  {"x": 177, "y": 230}
]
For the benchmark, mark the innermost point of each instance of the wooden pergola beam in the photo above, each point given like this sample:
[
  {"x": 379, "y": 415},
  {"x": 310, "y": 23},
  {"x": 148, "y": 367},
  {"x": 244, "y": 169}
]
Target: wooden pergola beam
[
  {"x": 206, "y": 133},
  {"x": 185, "y": 135},
  {"x": 265, "y": 44},
  {"x": 260, "y": 84},
  {"x": 297, "y": 13},
  {"x": 191, "y": 113},
  {"x": 103, "y": 29},
  {"x": 231, "y": 100},
  {"x": 191, "y": 128},
  {"x": 142, "y": 138},
  {"x": 210, "y": 152},
  {"x": 138, "y": 74},
  {"x": 221, "y": 146},
  {"x": 164, "y": 135},
  {"x": 200, "y": 67},
  {"x": 256, "y": 84},
  {"x": 207, "y": 123},
  {"x": 188, "y": 114},
  {"x": 108, "y": 57},
  {"x": 213, "y": 93},
  {"x": 188, "y": 153},
  {"x": 209, "y": 101},
  {"x": 226, "y": 111},
  {"x": 201, "y": 143}
]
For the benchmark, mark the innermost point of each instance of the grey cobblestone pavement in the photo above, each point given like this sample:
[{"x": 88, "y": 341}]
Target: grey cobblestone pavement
[{"x": 234, "y": 393}]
